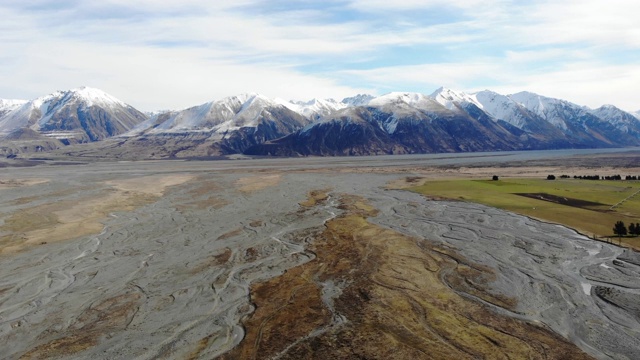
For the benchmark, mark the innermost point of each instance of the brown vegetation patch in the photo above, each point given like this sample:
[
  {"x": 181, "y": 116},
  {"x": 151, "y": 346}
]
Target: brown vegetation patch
[
  {"x": 60, "y": 220},
  {"x": 230, "y": 234},
  {"x": 394, "y": 300},
  {"x": 251, "y": 254},
  {"x": 584, "y": 204},
  {"x": 40, "y": 197},
  {"x": 13, "y": 183},
  {"x": 98, "y": 320},
  {"x": 207, "y": 203},
  {"x": 64, "y": 220},
  {"x": 315, "y": 197},
  {"x": 200, "y": 197},
  {"x": 221, "y": 258},
  {"x": 155, "y": 184},
  {"x": 255, "y": 183},
  {"x": 256, "y": 223},
  {"x": 203, "y": 344}
]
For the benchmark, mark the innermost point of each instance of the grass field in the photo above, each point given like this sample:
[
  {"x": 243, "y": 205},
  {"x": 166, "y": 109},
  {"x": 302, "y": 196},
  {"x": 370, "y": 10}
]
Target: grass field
[{"x": 584, "y": 205}]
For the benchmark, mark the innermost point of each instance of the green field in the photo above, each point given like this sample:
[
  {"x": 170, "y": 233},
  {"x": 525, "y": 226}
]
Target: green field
[{"x": 584, "y": 205}]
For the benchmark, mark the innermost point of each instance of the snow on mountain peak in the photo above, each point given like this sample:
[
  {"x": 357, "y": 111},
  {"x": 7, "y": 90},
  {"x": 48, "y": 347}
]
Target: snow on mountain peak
[
  {"x": 553, "y": 110},
  {"x": 399, "y": 97},
  {"x": 451, "y": 99},
  {"x": 11, "y": 103},
  {"x": 313, "y": 109},
  {"x": 358, "y": 100},
  {"x": 227, "y": 114},
  {"x": 92, "y": 96}
]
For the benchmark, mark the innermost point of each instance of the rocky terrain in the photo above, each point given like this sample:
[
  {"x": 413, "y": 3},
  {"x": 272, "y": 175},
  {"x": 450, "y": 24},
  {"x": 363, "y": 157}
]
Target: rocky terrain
[
  {"x": 89, "y": 123},
  {"x": 450, "y": 121},
  {"x": 297, "y": 258}
]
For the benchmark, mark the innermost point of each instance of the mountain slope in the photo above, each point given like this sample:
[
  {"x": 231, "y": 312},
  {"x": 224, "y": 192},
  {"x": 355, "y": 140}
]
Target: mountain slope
[
  {"x": 581, "y": 127},
  {"x": 358, "y": 100},
  {"x": 396, "y": 123},
  {"x": 553, "y": 123},
  {"x": 226, "y": 126},
  {"x": 314, "y": 109},
  {"x": 621, "y": 120},
  {"x": 8, "y": 105},
  {"x": 445, "y": 121},
  {"x": 453, "y": 121},
  {"x": 74, "y": 116}
]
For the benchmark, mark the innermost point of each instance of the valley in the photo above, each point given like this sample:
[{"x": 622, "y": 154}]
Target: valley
[{"x": 304, "y": 257}]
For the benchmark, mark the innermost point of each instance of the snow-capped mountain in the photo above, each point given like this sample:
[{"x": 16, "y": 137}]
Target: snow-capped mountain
[
  {"x": 555, "y": 111},
  {"x": 358, "y": 100},
  {"x": 405, "y": 100},
  {"x": 395, "y": 123},
  {"x": 8, "y": 105},
  {"x": 622, "y": 120},
  {"x": 75, "y": 116},
  {"x": 314, "y": 109},
  {"x": 554, "y": 122},
  {"x": 452, "y": 121},
  {"x": 581, "y": 126},
  {"x": 399, "y": 122},
  {"x": 502, "y": 107},
  {"x": 454, "y": 100},
  {"x": 226, "y": 126},
  {"x": 228, "y": 114},
  {"x": 636, "y": 114}
]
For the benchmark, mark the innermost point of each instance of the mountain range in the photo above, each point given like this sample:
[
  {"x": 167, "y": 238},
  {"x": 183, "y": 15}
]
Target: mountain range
[{"x": 97, "y": 124}]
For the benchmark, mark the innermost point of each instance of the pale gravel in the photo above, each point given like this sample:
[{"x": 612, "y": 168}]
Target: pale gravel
[{"x": 149, "y": 251}]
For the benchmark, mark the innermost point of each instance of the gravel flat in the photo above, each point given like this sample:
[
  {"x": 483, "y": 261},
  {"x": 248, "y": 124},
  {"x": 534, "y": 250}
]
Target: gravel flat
[{"x": 174, "y": 266}]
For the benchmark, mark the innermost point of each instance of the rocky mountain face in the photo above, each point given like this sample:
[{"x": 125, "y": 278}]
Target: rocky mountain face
[
  {"x": 358, "y": 100},
  {"x": 398, "y": 123},
  {"x": 621, "y": 120},
  {"x": 315, "y": 109},
  {"x": 452, "y": 121},
  {"x": 227, "y": 126},
  {"x": 75, "y": 116},
  {"x": 395, "y": 123}
]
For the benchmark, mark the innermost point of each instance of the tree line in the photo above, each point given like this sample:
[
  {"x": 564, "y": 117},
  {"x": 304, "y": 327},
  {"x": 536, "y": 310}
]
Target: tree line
[
  {"x": 598, "y": 177},
  {"x": 621, "y": 230}
]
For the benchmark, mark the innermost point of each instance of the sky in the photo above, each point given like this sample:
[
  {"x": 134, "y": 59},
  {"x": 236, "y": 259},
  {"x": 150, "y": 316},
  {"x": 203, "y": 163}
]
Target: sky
[{"x": 170, "y": 54}]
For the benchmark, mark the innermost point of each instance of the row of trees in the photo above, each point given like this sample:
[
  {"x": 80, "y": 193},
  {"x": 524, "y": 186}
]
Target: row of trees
[
  {"x": 594, "y": 177},
  {"x": 621, "y": 230},
  {"x": 598, "y": 177}
]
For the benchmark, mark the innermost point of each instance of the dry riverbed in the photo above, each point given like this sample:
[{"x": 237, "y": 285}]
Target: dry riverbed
[{"x": 292, "y": 260}]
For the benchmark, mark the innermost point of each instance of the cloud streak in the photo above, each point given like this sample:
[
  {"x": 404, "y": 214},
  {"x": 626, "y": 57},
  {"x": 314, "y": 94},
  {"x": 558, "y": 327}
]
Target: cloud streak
[{"x": 173, "y": 54}]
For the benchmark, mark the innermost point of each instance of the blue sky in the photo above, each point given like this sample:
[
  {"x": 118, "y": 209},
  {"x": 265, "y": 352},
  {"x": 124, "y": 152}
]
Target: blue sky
[{"x": 174, "y": 54}]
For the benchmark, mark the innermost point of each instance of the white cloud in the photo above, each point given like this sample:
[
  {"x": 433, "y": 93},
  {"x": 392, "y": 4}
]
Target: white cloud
[
  {"x": 171, "y": 54},
  {"x": 427, "y": 76},
  {"x": 154, "y": 79}
]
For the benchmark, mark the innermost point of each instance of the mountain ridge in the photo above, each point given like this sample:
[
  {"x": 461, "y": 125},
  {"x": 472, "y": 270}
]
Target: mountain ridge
[
  {"x": 446, "y": 120},
  {"x": 75, "y": 116}
]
